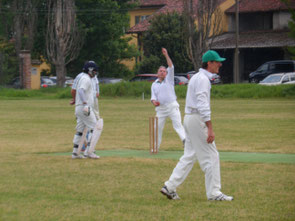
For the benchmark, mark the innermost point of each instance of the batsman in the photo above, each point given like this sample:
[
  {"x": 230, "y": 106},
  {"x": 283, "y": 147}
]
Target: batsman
[{"x": 85, "y": 114}]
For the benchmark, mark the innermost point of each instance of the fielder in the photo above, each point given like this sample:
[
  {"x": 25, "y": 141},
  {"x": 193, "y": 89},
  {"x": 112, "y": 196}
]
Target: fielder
[
  {"x": 84, "y": 111},
  {"x": 164, "y": 99},
  {"x": 199, "y": 145}
]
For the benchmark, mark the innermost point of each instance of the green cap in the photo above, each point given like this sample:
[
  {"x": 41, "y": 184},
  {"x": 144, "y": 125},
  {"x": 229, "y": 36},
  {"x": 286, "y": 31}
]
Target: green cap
[{"x": 212, "y": 56}]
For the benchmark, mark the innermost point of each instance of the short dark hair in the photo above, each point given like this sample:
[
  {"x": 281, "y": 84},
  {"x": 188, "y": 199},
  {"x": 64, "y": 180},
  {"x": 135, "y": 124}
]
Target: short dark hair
[{"x": 205, "y": 65}]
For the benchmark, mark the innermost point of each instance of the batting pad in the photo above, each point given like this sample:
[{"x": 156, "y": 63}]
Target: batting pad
[{"x": 96, "y": 135}]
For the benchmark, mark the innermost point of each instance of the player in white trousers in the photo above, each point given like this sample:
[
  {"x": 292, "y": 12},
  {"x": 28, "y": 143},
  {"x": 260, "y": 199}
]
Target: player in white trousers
[
  {"x": 199, "y": 145},
  {"x": 84, "y": 112},
  {"x": 164, "y": 99}
]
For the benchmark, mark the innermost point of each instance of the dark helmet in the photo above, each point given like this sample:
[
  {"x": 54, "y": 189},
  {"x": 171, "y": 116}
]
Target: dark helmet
[{"x": 90, "y": 66}]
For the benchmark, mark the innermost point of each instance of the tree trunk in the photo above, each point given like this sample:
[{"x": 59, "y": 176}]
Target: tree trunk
[
  {"x": 203, "y": 21},
  {"x": 60, "y": 74},
  {"x": 63, "y": 39}
]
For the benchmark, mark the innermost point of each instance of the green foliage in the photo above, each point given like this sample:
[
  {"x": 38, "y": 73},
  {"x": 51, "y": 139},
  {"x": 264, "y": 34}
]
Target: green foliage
[
  {"x": 291, "y": 26},
  {"x": 252, "y": 91},
  {"x": 8, "y": 61},
  {"x": 104, "y": 22},
  {"x": 137, "y": 89},
  {"x": 126, "y": 89},
  {"x": 165, "y": 31},
  {"x": 148, "y": 65}
]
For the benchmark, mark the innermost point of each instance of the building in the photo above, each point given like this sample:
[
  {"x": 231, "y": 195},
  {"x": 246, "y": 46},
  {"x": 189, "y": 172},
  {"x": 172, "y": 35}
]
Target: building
[
  {"x": 263, "y": 31},
  {"x": 263, "y": 36}
]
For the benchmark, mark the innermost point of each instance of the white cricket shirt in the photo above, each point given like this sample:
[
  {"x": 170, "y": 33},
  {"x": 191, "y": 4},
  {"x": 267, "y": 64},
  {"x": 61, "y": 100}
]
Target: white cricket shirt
[
  {"x": 76, "y": 80},
  {"x": 164, "y": 91},
  {"x": 198, "y": 95},
  {"x": 86, "y": 84}
]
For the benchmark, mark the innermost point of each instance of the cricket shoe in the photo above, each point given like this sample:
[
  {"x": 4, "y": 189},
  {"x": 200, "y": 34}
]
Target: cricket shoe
[
  {"x": 92, "y": 156},
  {"x": 170, "y": 195},
  {"x": 222, "y": 197},
  {"x": 76, "y": 156}
]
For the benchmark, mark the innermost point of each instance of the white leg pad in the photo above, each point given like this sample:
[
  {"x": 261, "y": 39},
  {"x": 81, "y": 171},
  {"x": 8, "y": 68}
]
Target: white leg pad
[{"x": 96, "y": 135}]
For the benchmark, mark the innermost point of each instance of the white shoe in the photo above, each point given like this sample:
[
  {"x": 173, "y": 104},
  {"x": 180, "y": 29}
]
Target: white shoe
[
  {"x": 170, "y": 195},
  {"x": 92, "y": 156},
  {"x": 222, "y": 197},
  {"x": 76, "y": 156}
]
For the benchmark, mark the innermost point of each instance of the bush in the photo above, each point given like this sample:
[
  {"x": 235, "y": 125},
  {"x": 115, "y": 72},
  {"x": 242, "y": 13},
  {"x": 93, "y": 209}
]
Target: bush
[
  {"x": 126, "y": 89},
  {"x": 136, "y": 89}
]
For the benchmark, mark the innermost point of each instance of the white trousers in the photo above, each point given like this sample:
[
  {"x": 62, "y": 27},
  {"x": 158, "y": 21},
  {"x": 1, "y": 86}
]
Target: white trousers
[
  {"x": 197, "y": 148},
  {"x": 172, "y": 111},
  {"x": 82, "y": 122}
]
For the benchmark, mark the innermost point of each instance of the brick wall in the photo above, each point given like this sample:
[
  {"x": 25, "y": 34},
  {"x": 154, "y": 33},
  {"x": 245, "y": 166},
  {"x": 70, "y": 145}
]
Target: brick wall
[{"x": 26, "y": 68}]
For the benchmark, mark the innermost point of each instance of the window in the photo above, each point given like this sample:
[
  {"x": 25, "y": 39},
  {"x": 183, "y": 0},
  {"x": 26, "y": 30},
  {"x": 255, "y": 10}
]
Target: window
[
  {"x": 256, "y": 21},
  {"x": 263, "y": 68},
  {"x": 292, "y": 77},
  {"x": 286, "y": 67},
  {"x": 285, "y": 79},
  {"x": 140, "y": 18}
]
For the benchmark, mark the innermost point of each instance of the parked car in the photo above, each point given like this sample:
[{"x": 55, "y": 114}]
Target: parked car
[
  {"x": 215, "y": 79},
  {"x": 180, "y": 80},
  {"x": 46, "y": 82},
  {"x": 281, "y": 78},
  {"x": 271, "y": 67},
  {"x": 68, "y": 82},
  {"x": 109, "y": 80},
  {"x": 186, "y": 75},
  {"x": 144, "y": 77}
]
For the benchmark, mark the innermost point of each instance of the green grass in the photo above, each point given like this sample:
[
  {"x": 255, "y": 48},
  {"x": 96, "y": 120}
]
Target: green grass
[
  {"x": 44, "y": 186},
  {"x": 175, "y": 155}
]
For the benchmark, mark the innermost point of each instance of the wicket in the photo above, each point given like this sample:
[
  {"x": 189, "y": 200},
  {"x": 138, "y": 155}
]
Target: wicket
[{"x": 153, "y": 135}]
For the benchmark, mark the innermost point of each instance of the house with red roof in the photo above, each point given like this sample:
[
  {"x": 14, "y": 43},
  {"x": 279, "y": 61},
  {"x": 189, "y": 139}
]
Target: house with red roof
[
  {"x": 263, "y": 31},
  {"x": 263, "y": 36}
]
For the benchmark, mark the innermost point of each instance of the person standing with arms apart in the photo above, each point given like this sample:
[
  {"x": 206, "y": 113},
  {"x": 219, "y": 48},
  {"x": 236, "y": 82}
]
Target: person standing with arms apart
[
  {"x": 164, "y": 99},
  {"x": 199, "y": 145}
]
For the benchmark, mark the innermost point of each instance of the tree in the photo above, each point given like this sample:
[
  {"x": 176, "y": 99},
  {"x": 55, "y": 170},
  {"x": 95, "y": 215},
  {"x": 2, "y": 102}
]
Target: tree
[
  {"x": 165, "y": 31},
  {"x": 291, "y": 25},
  {"x": 202, "y": 24},
  {"x": 19, "y": 19},
  {"x": 104, "y": 22},
  {"x": 64, "y": 39}
]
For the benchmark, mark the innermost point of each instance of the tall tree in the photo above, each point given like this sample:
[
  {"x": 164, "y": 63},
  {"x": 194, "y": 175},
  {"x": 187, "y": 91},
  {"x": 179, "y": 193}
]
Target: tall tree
[
  {"x": 291, "y": 25},
  {"x": 64, "y": 39},
  {"x": 18, "y": 18},
  {"x": 165, "y": 30},
  {"x": 105, "y": 22},
  {"x": 203, "y": 21}
]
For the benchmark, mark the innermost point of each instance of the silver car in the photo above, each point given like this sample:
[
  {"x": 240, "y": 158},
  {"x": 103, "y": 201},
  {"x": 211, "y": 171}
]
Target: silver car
[{"x": 277, "y": 79}]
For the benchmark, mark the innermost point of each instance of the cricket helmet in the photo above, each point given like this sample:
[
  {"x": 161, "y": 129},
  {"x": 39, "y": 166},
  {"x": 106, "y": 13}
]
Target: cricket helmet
[{"x": 90, "y": 66}]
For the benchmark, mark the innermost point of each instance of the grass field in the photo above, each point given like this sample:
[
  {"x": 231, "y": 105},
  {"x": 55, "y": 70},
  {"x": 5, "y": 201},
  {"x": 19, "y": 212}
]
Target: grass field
[{"x": 39, "y": 184}]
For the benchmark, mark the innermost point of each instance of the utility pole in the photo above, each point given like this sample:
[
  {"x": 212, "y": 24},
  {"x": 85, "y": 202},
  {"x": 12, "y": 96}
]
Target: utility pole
[{"x": 236, "y": 59}]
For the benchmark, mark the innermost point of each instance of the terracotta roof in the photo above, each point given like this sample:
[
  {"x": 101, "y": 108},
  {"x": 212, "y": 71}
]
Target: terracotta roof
[
  {"x": 169, "y": 6},
  {"x": 260, "y": 6},
  {"x": 254, "y": 39}
]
